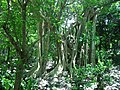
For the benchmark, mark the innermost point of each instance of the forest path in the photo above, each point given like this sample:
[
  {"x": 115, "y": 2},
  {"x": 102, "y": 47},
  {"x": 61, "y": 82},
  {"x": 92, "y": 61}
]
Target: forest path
[{"x": 59, "y": 82}]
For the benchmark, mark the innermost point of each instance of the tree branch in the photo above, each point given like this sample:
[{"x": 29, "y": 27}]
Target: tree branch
[{"x": 11, "y": 39}]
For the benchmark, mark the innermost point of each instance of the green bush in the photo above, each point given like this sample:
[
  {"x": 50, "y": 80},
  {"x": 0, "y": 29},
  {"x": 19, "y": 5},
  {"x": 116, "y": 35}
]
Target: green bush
[{"x": 86, "y": 76}]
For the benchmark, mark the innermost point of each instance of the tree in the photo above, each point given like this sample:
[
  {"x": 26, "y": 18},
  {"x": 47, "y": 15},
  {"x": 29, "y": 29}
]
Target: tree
[{"x": 21, "y": 50}]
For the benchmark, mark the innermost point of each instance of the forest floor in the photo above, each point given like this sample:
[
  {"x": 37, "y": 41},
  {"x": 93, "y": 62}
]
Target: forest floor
[
  {"x": 115, "y": 74},
  {"x": 115, "y": 80},
  {"x": 60, "y": 83}
]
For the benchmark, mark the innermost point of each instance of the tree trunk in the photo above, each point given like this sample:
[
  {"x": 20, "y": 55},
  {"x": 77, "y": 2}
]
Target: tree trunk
[
  {"x": 19, "y": 74},
  {"x": 93, "y": 41},
  {"x": 0, "y": 6},
  {"x": 24, "y": 54}
]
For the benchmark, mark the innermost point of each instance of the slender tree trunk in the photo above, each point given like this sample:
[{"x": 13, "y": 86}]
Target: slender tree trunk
[
  {"x": 93, "y": 41},
  {"x": 40, "y": 46},
  {"x": 0, "y": 6},
  {"x": 19, "y": 74},
  {"x": 24, "y": 54},
  {"x": 66, "y": 54}
]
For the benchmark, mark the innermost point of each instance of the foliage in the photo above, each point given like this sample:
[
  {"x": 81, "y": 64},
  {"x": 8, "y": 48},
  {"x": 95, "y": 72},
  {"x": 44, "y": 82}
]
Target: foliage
[
  {"x": 85, "y": 76},
  {"x": 78, "y": 36}
]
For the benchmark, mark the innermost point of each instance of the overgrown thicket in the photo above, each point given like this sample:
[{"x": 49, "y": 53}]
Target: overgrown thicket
[{"x": 78, "y": 36}]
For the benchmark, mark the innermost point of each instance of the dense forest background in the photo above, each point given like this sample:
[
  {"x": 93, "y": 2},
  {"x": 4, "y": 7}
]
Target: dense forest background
[{"x": 78, "y": 40}]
